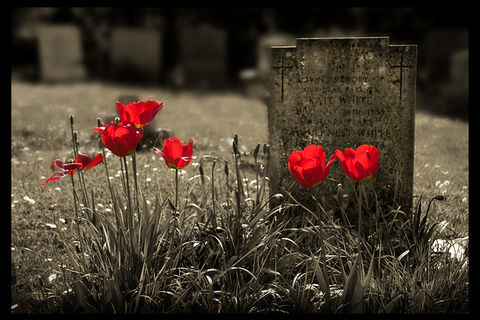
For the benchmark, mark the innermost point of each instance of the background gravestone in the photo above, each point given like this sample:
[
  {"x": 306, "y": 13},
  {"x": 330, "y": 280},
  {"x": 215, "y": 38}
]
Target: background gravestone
[
  {"x": 341, "y": 93},
  {"x": 203, "y": 56},
  {"x": 61, "y": 55},
  {"x": 136, "y": 54}
]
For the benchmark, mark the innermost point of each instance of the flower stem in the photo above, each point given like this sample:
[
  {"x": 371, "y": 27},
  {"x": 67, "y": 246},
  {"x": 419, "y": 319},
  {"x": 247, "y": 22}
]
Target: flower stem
[
  {"x": 130, "y": 218},
  {"x": 175, "y": 215},
  {"x": 76, "y": 209},
  {"x": 360, "y": 221},
  {"x": 134, "y": 166}
]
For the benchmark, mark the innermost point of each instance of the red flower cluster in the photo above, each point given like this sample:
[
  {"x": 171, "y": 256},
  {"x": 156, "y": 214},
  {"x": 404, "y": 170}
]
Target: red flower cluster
[
  {"x": 122, "y": 138},
  {"x": 308, "y": 169}
]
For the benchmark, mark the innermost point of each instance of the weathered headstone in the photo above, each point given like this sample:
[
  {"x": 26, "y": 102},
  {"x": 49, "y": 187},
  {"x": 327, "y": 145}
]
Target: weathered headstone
[
  {"x": 341, "y": 93},
  {"x": 203, "y": 56},
  {"x": 136, "y": 54},
  {"x": 61, "y": 55}
]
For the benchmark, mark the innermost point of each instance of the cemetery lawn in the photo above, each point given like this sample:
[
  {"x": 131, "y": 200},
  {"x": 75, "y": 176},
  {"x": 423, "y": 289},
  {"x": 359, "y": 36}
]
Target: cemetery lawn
[{"x": 40, "y": 133}]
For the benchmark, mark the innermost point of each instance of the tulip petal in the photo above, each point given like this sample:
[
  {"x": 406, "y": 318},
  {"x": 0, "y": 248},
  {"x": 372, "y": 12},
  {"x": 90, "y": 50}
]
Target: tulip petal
[
  {"x": 56, "y": 163},
  {"x": 333, "y": 157},
  {"x": 98, "y": 158},
  {"x": 56, "y": 176}
]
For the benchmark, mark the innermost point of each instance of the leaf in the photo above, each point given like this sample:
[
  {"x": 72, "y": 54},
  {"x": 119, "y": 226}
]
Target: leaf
[
  {"x": 353, "y": 290},
  {"x": 81, "y": 293},
  {"x": 320, "y": 277}
]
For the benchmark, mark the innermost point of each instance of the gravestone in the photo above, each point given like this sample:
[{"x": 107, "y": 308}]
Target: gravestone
[
  {"x": 203, "y": 56},
  {"x": 61, "y": 55},
  {"x": 341, "y": 93},
  {"x": 136, "y": 54}
]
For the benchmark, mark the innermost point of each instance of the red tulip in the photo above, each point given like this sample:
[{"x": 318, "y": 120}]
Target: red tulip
[
  {"x": 139, "y": 113},
  {"x": 307, "y": 166},
  {"x": 82, "y": 162},
  {"x": 121, "y": 138},
  {"x": 176, "y": 154},
  {"x": 361, "y": 164}
]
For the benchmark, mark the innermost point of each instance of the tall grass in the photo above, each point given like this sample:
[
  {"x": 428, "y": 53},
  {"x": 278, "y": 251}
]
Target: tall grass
[{"x": 223, "y": 248}]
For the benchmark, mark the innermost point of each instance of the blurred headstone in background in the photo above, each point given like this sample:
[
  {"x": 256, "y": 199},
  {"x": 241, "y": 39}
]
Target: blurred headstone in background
[
  {"x": 254, "y": 81},
  {"x": 61, "y": 55},
  {"x": 445, "y": 74},
  {"x": 203, "y": 57},
  {"x": 264, "y": 49},
  {"x": 136, "y": 54}
]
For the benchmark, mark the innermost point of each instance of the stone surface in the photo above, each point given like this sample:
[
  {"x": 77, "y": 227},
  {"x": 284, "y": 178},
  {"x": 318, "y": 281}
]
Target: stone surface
[
  {"x": 341, "y": 93},
  {"x": 61, "y": 55},
  {"x": 136, "y": 54}
]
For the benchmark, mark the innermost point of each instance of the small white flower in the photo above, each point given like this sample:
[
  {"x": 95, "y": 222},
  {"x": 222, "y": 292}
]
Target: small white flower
[
  {"x": 437, "y": 183},
  {"x": 58, "y": 189},
  {"x": 446, "y": 182},
  {"x": 427, "y": 165},
  {"x": 51, "y": 225},
  {"x": 464, "y": 200},
  {"x": 155, "y": 169},
  {"x": 62, "y": 220},
  {"x": 108, "y": 209},
  {"x": 437, "y": 166},
  {"x": 52, "y": 277},
  {"x": 148, "y": 179},
  {"x": 27, "y": 198}
]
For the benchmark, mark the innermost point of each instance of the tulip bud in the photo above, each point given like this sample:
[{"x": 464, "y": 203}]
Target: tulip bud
[
  {"x": 226, "y": 169},
  {"x": 235, "y": 145},
  {"x": 99, "y": 122},
  {"x": 202, "y": 173},
  {"x": 255, "y": 153},
  {"x": 117, "y": 120},
  {"x": 267, "y": 151},
  {"x": 440, "y": 197},
  {"x": 71, "y": 120}
]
